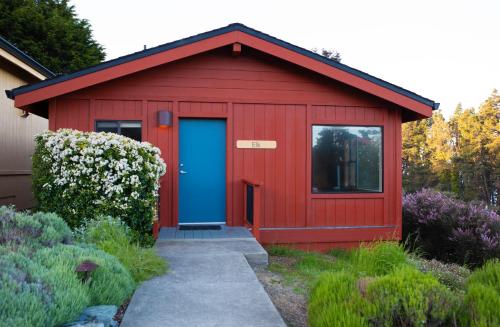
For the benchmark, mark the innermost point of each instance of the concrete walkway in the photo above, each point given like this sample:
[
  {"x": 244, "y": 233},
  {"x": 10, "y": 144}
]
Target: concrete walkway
[{"x": 210, "y": 283}]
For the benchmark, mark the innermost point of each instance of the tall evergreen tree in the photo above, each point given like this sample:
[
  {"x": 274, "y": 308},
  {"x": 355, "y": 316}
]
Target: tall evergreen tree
[
  {"x": 417, "y": 172},
  {"x": 50, "y": 32},
  {"x": 489, "y": 153},
  {"x": 438, "y": 144}
]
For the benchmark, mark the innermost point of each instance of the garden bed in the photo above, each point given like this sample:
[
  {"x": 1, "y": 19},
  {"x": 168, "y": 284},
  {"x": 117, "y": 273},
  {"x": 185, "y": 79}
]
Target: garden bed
[
  {"x": 49, "y": 277},
  {"x": 298, "y": 282},
  {"x": 289, "y": 298}
]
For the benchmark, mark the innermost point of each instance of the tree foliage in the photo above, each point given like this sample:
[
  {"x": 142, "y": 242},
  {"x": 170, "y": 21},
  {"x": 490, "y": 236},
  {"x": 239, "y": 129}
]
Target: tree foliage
[
  {"x": 461, "y": 155},
  {"x": 51, "y": 33},
  {"x": 329, "y": 53}
]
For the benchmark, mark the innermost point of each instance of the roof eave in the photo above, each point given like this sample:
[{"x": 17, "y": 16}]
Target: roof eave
[{"x": 213, "y": 34}]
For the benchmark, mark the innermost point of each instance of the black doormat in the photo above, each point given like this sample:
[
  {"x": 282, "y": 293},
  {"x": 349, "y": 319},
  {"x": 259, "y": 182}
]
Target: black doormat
[{"x": 199, "y": 227}]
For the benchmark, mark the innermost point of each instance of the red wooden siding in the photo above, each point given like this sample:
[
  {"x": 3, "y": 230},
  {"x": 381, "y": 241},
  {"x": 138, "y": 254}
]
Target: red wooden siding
[
  {"x": 163, "y": 139},
  {"x": 72, "y": 113},
  {"x": 282, "y": 171},
  {"x": 264, "y": 98}
]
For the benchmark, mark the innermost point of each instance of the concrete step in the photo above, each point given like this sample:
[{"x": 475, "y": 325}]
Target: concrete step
[{"x": 255, "y": 254}]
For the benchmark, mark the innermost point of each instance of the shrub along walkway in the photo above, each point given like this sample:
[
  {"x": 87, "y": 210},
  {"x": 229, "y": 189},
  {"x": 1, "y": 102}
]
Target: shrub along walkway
[{"x": 210, "y": 283}]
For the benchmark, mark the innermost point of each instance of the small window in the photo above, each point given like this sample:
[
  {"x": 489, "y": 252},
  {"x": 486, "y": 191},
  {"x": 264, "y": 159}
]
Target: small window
[
  {"x": 346, "y": 159},
  {"x": 130, "y": 129}
]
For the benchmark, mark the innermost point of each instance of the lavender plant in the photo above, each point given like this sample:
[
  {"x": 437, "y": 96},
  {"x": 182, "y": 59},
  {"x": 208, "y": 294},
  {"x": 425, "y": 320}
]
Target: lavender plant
[{"x": 450, "y": 230}]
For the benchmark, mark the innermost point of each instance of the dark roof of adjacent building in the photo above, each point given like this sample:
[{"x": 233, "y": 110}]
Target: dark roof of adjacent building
[{"x": 22, "y": 56}]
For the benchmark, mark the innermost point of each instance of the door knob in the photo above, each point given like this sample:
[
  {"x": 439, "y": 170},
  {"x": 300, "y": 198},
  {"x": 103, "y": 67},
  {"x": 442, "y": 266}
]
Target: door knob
[{"x": 182, "y": 172}]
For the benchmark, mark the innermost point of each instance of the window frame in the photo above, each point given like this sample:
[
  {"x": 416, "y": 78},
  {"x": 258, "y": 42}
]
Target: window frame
[
  {"x": 382, "y": 154},
  {"x": 118, "y": 122}
]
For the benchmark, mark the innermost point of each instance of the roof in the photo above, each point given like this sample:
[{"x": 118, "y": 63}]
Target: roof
[
  {"x": 23, "y": 57},
  {"x": 240, "y": 33}
]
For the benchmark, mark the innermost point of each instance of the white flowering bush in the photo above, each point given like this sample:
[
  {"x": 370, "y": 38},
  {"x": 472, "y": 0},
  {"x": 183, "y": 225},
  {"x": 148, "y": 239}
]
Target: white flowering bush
[{"x": 83, "y": 175}]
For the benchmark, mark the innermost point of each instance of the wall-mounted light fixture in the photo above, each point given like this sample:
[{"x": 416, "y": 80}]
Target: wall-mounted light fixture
[
  {"x": 165, "y": 119},
  {"x": 22, "y": 113}
]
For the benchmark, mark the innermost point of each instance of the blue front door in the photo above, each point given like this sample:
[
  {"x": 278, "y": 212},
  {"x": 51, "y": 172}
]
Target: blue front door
[{"x": 202, "y": 171}]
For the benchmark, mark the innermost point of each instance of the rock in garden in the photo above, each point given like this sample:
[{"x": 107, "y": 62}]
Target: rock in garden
[
  {"x": 101, "y": 313},
  {"x": 97, "y": 316}
]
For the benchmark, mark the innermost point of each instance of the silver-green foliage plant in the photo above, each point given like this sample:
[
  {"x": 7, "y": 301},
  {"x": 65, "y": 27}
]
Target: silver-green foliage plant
[
  {"x": 33, "y": 295},
  {"x": 41, "y": 229},
  {"x": 39, "y": 285},
  {"x": 83, "y": 175},
  {"x": 110, "y": 283}
]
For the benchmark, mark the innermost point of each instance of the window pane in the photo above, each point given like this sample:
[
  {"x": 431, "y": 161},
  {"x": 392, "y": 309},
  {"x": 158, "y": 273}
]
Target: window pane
[
  {"x": 107, "y": 126},
  {"x": 132, "y": 132},
  {"x": 130, "y": 129},
  {"x": 346, "y": 159},
  {"x": 130, "y": 124}
]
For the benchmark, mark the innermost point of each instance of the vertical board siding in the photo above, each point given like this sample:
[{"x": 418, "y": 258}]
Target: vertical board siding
[
  {"x": 193, "y": 108},
  {"x": 162, "y": 138},
  {"x": 282, "y": 170},
  {"x": 125, "y": 109},
  {"x": 347, "y": 212},
  {"x": 262, "y": 98},
  {"x": 73, "y": 113}
]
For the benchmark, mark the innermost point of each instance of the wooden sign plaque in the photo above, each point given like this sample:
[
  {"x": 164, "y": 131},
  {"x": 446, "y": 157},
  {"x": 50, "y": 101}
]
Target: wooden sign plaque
[{"x": 255, "y": 144}]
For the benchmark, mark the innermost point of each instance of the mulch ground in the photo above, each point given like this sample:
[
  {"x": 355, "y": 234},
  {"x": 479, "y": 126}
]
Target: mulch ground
[
  {"x": 121, "y": 311},
  {"x": 291, "y": 304}
]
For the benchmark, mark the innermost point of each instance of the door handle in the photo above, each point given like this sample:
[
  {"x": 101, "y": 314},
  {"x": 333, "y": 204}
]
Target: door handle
[{"x": 182, "y": 172}]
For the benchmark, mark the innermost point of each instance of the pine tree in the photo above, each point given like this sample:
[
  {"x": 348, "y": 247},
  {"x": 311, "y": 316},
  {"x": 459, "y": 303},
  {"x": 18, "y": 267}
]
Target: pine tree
[
  {"x": 461, "y": 155},
  {"x": 417, "y": 172},
  {"x": 438, "y": 144},
  {"x": 489, "y": 152}
]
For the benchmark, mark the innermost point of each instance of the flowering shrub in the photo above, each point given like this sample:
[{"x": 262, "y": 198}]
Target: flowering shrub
[
  {"x": 450, "y": 230},
  {"x": 81, "y": 175}
]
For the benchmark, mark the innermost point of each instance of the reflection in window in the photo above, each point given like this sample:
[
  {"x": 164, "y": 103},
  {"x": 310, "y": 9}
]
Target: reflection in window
[
  {"x": 346, "y": 159},
  {"x": 130, "y": 129}
]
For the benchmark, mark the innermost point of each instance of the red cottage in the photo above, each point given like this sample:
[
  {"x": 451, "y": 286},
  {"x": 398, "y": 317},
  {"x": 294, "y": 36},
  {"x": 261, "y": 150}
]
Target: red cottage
[{"x": 254, "y": 130}]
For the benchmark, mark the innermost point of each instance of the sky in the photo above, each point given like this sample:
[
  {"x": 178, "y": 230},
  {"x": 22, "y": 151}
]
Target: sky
[{"x": 448, "y": 51}]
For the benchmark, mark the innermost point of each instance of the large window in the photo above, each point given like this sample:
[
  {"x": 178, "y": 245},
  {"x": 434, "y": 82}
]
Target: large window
[
  {"x": 126, "y": 128},
  {"x": 346, "y": 159}
]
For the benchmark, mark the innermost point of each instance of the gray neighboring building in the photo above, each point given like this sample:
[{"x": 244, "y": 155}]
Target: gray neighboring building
[{"x": 17, "y": 127}]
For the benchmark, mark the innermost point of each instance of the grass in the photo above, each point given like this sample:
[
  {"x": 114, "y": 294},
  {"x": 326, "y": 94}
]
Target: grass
[
  {"x": 114, "y": 237},
  {"x": 301, "y": 269},
  {"x": 143, "y": 263}
]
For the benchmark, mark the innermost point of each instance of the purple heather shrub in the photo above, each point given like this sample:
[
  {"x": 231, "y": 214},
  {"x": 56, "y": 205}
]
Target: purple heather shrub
[{"x": 450, "y": 230}]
